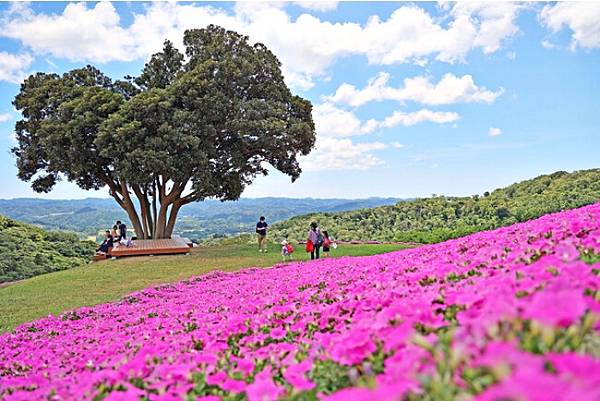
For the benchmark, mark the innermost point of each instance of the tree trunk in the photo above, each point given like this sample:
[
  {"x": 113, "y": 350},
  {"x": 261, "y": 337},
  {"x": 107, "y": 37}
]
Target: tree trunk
[
  {"x": 153, "y": 223},
  {"x": 172, "y": 219},
  {"x": 135, "y": 220},
  {"x": 132, "y": 213},
  {"x": 143, "y": 201},
  {"x": 161, "y": 221}
]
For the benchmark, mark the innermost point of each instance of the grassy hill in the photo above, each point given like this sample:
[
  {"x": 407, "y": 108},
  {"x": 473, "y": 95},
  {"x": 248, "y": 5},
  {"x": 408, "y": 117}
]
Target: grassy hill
[
  {"x": 111, "y": 279},
  {"x": 439, "y": 218},
  {"x": 27, "y": 251},
  {"x": 196, "y": 221}
]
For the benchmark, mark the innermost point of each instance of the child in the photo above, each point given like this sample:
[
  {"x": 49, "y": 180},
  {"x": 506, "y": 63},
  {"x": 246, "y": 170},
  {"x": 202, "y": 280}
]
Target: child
[
  {"x": 327, "y": 243},
  {"x": 286, "y": 250}
]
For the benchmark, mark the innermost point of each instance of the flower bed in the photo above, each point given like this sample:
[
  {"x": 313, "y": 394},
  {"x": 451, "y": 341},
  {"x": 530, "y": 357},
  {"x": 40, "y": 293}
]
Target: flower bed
[{"x": 509, "y": 314}]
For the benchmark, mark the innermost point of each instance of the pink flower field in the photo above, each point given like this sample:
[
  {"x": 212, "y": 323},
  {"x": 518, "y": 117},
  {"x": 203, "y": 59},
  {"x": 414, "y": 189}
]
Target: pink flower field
[{"x": 510, "y": 314}]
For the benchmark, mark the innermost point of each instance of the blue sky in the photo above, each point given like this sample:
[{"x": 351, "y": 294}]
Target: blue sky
[{"x": 410, "y": 99}]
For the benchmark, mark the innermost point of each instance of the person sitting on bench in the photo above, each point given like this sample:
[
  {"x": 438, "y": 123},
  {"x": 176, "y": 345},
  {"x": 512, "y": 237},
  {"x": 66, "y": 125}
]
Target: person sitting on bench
[{"x": 106, "y": 245}]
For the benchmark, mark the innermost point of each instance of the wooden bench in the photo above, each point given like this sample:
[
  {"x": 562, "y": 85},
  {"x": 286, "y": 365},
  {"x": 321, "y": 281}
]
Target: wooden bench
[
  {"x": 186, "y": 240},
  {"x": 172, "y": 246}
]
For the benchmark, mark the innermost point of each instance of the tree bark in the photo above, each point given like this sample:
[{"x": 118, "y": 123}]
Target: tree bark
[
  {"x": 131, "y": 212},
  {"x": 142, "y": 200},
  {"x": 172, "y": 218}
]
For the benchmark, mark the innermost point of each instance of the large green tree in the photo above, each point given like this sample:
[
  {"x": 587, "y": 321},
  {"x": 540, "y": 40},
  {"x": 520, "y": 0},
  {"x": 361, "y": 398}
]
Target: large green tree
[{"x": 188, "y": 128}]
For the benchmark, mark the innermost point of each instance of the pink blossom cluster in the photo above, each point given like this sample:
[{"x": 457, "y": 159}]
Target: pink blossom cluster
[{"x": 508, "y": 314}]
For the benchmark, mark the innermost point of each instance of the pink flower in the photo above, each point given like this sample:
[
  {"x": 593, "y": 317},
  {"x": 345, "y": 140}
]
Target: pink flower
[
  {"x": 353, "y": 347},
  {"x": 567, "y": 252},
  {"x": 217, "y": 378},
  {"x": 263, "y": 388},
  {"x": 354, "y": 394},
  {"x": 556, "y": 308},
  {"x": 338, "y": 309},
  {"x": 234, "y": 386},
  {"x": 296, "y": 375},
  {"x": 277, "y": 333},
  {"x": 527, "y": 384}
]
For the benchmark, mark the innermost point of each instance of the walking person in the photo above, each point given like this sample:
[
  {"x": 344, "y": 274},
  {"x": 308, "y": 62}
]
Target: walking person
[
  {"x": 261, "y": 234},
  {"x": 315, "y": 237}
]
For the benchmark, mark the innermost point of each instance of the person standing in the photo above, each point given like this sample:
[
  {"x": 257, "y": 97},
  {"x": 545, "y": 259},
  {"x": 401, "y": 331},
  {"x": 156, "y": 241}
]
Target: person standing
[
  {"x": 316, "y": 238},
  {"x": 122, "y": 230},
  {"x": 261, "y": 234},
  {"x": 328, "y": 242}
]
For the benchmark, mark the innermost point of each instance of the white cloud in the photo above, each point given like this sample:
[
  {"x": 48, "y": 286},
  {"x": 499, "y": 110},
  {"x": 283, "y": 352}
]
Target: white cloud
[
  {"x": 13, "y": 66},
  {"x": 495, "y": 22},
  {"x": 79, "y": 33},
  {"x": 307, "y": 46},
  {"x": 333, "y": 154},
  {"x": 546, "y": 44},
  {"x": 333, "y": 122},
  {"x": 450, "y": 89},
  {"x": 318, "y": 5},
  {"x": 335, "y": 151},
  {"x": 494, "y": 131},
  {"x": 5, "y": 117},
  {"x": 423, "y": 115},
  {"x": 511, "y": 55},
  {"x": 582, "y": 18}
]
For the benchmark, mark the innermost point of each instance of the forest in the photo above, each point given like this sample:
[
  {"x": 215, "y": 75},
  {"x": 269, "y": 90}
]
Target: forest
[
  {"x": 438, "y": 218},
  {"x": 28, "y": 251}
]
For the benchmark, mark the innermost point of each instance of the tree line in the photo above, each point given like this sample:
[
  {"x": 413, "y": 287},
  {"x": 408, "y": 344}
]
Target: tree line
[{"x": 438, "y": 218}]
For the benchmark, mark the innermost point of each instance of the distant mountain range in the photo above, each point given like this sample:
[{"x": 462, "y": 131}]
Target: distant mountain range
[{"x": 210, "y": 218}]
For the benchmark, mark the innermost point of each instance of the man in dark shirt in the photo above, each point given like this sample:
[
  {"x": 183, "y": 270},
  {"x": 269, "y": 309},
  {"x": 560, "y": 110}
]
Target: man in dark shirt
[
  {"x": 122, "y": 230},
  {"x": 261, "y": 234}
]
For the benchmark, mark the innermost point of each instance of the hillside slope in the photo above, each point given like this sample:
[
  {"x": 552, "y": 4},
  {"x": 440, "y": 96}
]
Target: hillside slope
[
  {"x": 27, "y": 251},
  {"x": 439, "y": 218},
  {"x": 507, "y": 314}
]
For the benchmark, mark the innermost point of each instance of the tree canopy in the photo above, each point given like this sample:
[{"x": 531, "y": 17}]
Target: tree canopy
[{"x": 191, "y": 127}]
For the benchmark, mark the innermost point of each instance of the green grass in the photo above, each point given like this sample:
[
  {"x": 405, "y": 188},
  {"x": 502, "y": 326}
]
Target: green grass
[{"x": 109, "y": 280}]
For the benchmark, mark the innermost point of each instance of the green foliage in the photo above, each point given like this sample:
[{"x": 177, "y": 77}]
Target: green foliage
[
  {"x": 187, "y": 129},
  {"x": 27, "y": 251},
  {"x": 439, "y": 218},
  {"x": 330, "y": 376}
]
